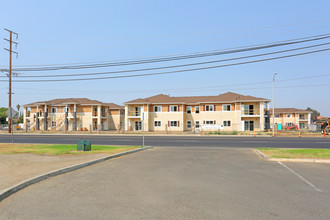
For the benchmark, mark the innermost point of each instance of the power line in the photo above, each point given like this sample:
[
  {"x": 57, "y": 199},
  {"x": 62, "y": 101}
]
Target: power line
[
  {"x": 178, "y": 89},
  {"x": 175, "y": 58},
  {"x": 168, "y": 67},
  {"x": 175, "y": 71}
]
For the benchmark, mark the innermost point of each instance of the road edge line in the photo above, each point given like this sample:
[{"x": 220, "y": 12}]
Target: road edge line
[{"x": 11, "y": 190}]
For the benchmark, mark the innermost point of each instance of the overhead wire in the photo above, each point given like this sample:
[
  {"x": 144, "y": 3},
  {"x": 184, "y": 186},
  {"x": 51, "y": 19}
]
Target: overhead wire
[
  {"x": 167, "y": 67},
  {"x": 175, "y": 71},
  {"x": 174, "y": 58}
]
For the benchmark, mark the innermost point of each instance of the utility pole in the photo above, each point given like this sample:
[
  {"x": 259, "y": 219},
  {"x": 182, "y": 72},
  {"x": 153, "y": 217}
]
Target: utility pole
[
  {"x": 11, "y": 42},
  {"x": 274, "y": 104}
]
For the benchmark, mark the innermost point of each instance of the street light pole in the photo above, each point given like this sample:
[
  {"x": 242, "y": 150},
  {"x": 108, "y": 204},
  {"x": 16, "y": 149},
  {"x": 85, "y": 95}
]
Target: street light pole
[{"x": 274, "y": 104}]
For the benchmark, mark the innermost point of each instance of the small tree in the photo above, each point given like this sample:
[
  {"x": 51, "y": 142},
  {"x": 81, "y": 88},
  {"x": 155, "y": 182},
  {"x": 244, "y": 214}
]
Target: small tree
[
  {"x": 315, "y": 113},
  {"x": 3, "y": 115},
  {"x": 18, "y": 106}
]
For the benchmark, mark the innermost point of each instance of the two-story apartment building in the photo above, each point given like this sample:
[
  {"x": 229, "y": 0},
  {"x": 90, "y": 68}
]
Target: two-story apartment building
[
  {"x": 290, "y": 117},
  {"x": 72, "y": 114},
  {"x": 227, "y": 112}
]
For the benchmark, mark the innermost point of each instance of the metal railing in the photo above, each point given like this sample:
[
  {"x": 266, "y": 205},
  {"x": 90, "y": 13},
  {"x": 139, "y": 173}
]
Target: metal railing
[
  {"x": 134, "y": 113},
  {"x": 250, "y": 112}
]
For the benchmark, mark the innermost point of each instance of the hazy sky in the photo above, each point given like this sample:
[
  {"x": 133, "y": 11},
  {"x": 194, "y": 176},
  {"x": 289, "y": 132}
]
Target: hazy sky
[{"x": 64, "y": 32}]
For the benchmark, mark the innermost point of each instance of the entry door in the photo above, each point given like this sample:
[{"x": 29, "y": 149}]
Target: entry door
[
  {"x": 138, "y": 126},
  {"x": 248, "y": 125},
  {"x": 137, "y": 111}
]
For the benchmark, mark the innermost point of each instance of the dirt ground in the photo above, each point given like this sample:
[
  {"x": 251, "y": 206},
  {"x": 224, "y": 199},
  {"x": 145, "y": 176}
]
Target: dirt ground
[{"x": 16, "y": 168}]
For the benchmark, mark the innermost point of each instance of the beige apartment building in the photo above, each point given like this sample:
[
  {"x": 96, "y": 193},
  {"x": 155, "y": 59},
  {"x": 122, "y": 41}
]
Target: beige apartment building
[
  {"x": 73, "y": 114},
  {"x": 290, "y": 118},
  {"x": 224, "y": 112}
]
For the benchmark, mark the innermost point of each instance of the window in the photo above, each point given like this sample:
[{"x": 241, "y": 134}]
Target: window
[
  {"x": 174, "y": 108},
  {"x": 188, "y": 124},
  {"x": 288, "y": 115},
  {"x": 301, "y": 116},
  {"x": 209, "y": 108},
  {"x": 209, "y": 122},
  {"x": 226, "y": 108},
  {"x": 157, "y": 108},
  {"x": 189, "y": 109},
  {"x": 227, "y": 123},
  {"x": 158, "y": 123},
  {"x": 174, "y": 123},
  {"x": 53, "y": 123},
  {"x": 277, "y": 115},
  {"x": 197, "y": 124},
  {"x": 197, "y": 109},
  {"x": 302, "y": 125},
  {"x": 54, "y": 110},
  {"x": 289, "y": 124}
]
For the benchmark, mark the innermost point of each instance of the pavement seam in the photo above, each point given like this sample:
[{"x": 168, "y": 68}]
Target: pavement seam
[
  {"x": 11, "y": 190},
  {"x": 262, "y": 155}
]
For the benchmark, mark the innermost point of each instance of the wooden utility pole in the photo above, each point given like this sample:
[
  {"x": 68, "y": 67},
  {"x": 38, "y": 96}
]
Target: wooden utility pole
[{"x": 11, "y": 42}]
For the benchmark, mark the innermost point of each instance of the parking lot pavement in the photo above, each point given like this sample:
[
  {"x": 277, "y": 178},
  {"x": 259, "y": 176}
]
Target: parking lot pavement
[
  {"x": 178, "y": 183},
  {"x": 316, "y": 173}
]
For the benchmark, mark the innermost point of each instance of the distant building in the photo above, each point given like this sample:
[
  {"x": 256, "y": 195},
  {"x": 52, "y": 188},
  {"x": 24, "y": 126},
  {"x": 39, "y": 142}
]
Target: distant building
[
  {"x": 224, "y": 112},
  {"x": 72, "y": 114},
  {"x": 289, "y": 117}
]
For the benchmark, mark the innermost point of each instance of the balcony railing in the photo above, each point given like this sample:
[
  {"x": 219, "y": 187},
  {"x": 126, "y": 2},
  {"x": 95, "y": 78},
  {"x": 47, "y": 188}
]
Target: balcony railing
[
  {"x": 250, "y": 112},
  {"x": 302, "y": 118},
  {"x": 134, "y": 113}
]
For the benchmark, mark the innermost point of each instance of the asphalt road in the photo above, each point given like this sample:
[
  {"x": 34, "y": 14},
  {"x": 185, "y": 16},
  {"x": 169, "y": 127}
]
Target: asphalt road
[
  {"x": 178, "y": 141},
  {"x": 179, "y": 183}
]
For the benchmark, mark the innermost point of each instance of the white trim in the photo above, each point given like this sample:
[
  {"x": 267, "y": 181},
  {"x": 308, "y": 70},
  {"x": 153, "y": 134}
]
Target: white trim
[
  {"x": 177, "y": 108},
  {"x": 158, "y": 106},
  {"x": 190, "y": 109},
  {"x": 190, "y": 124},
  {"x": 209, "y": 108},
  {"x": 156, "y": 126},
  {"x": 226, "y": 105},
  {"x": 223, "y": 122},
  {"x": 177, "y": 123}
]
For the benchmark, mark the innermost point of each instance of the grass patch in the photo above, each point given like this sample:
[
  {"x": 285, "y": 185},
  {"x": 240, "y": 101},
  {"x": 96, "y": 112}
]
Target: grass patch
[
  {"x": 296, "y": 153},
  {"x": 223, "y": 133},
  {"x": 60, "y": 149}
]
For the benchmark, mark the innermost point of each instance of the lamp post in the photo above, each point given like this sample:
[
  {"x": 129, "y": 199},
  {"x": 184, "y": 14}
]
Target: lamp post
[{"x": 274, "y": 104}]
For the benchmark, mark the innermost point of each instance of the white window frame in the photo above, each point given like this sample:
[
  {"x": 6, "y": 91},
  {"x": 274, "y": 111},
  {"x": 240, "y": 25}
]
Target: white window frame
[
  {"x": 189, "y": 109},
  {"x": 189, "y": 124},
  {"x": 209, "y": 122},
  {"x": 197, "y": 124},
  {"x": 288, "y": 115},
  {"x": 55, "y": 110},
  {"x": 302, "y": 127},
  {"x": 197, "y": 111},
  {"x": 174, "y": 106},
  {"x": 209, "y": 108},
  {"x": 225, "y": 123},
  {"x": 226, "y": 105},
  {"x": 157, "y": 123},
  {"x": 53, "y": 124},
  {"x": 277, "y": 115},
  {"x": 158, "y": 108},
  {"x": 174, "y": 123},
  {"x": 289, "y": 124}
]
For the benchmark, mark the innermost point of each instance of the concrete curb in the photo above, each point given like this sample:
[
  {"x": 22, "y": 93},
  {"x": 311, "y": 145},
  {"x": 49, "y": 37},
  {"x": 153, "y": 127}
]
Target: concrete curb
[
  {"x": 290, "y": 160},
  {"x": 9, "y": 191}
]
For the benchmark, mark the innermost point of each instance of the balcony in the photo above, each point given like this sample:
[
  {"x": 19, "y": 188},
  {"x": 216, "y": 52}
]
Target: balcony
[
  {"x": 250, "y": 113},
  {"x": 303, "y": 118},
  {"x": 134, "y": 114}
]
